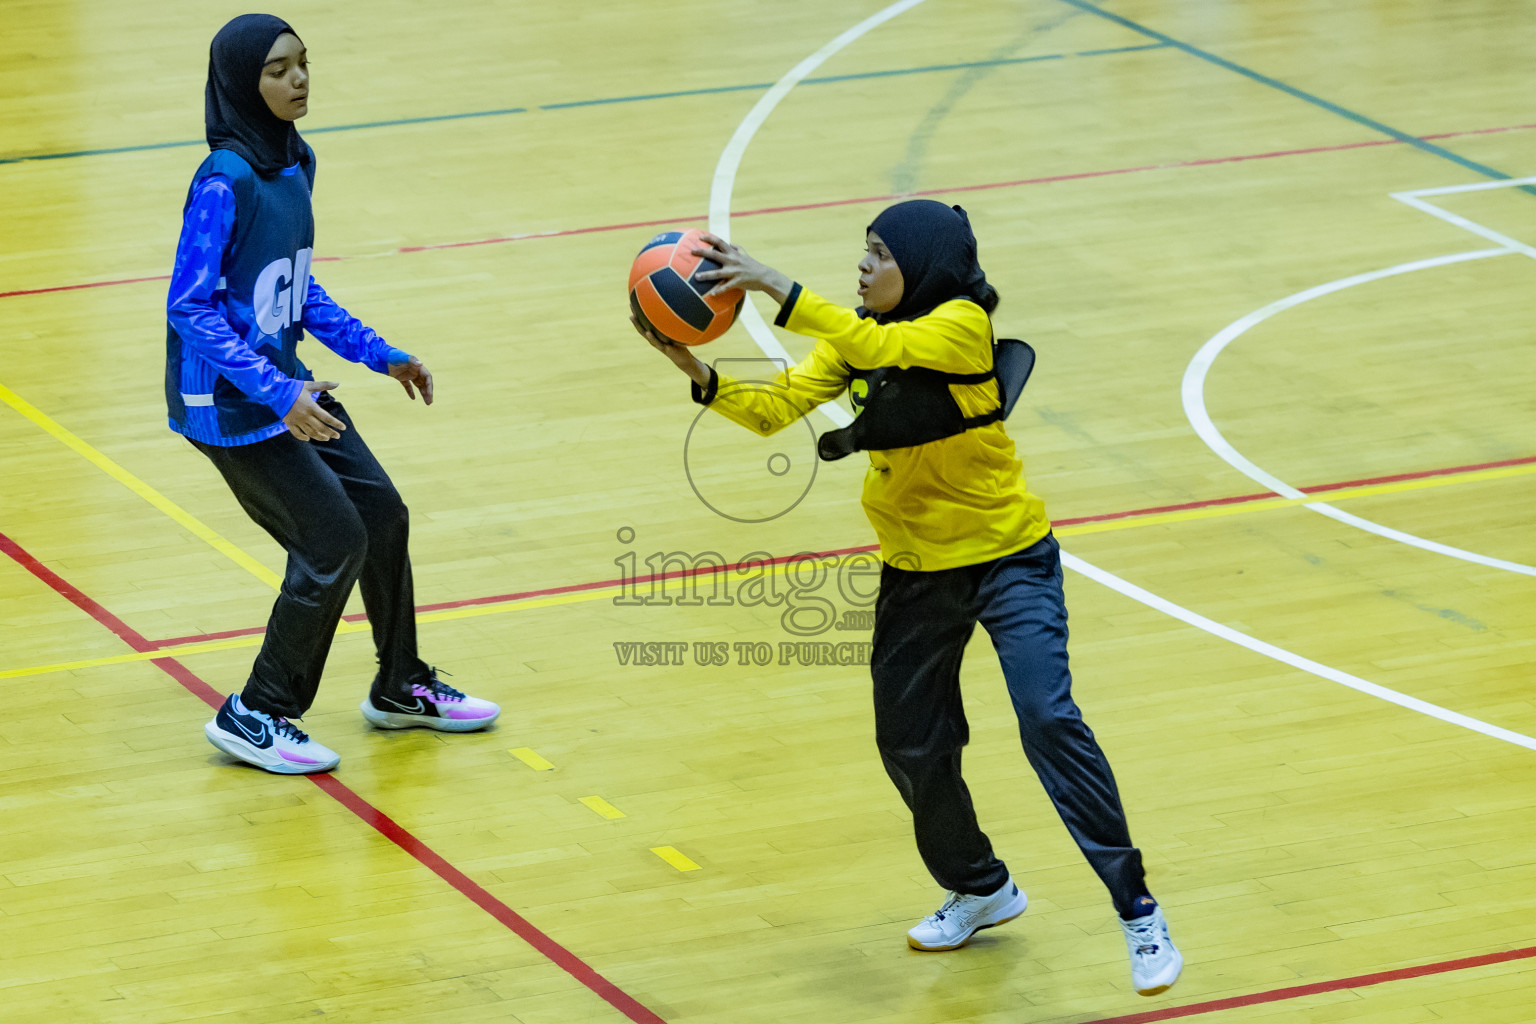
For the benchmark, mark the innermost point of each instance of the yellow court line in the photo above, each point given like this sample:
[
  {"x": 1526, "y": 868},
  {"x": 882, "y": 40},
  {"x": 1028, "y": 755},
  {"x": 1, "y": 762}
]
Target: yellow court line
[
  {"x": 474, "y": 611},
  {"x": 123, "y": 659},
  {"x": 673, "y": 857},
  {"x": 603, "y": 807},
  {"x": 142, "y": 489},
  {"x": 168, "y": 651},
  {"x": 531, "y": 758},
  {"x": 1153, "y": 519}
]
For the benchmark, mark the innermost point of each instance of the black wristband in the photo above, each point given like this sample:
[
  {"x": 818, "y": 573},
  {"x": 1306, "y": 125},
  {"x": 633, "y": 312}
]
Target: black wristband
[
  {"x": 706, "y": 394},
  {"x": 788, "y": 307}
]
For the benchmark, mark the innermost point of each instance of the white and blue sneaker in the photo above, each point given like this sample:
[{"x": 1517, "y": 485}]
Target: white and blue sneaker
[
  {"x": 1155, "y": 961},
  {"x": 267, "y": 741},
  {"x": 961, "y": 916},
  {"x": 432, "y": 704}
]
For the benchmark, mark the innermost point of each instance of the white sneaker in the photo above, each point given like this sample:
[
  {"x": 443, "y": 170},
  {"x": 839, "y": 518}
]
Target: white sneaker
[
  {"x": 265, "y": 741},
  {"x": 1155, "y": 960},
  {"x": 961, "y": 916}
]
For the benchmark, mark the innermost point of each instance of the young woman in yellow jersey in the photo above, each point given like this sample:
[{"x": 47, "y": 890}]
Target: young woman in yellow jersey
[{"x": 962, "y": 542}]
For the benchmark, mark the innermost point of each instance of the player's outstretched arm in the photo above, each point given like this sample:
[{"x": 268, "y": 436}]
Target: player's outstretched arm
[
  {"x": 681, "y": 357},
  {"x": 763, "y": 407}
]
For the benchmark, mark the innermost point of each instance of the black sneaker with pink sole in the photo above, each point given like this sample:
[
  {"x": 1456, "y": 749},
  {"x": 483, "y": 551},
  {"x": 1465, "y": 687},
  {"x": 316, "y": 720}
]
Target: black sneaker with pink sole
[{"x": 430, "y": 704}]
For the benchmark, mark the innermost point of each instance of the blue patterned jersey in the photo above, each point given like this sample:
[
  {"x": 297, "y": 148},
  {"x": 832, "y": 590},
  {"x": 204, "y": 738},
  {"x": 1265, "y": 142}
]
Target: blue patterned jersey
[{"x": 241, "y": 297}]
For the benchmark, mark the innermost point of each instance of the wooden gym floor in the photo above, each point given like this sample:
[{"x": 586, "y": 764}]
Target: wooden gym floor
[{"x": 1283, "y": 420}]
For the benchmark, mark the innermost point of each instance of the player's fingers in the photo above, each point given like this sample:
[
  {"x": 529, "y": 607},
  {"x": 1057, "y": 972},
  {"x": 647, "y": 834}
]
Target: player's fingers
[
  {"x": 425, "y": 385},
  {"x": 647, "y": 334},
  {"x": 728, "y": 282}
]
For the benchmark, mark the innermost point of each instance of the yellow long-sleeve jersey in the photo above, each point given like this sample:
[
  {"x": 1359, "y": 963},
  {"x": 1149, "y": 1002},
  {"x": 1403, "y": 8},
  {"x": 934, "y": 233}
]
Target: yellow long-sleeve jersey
[{"x": 957, "y": 501}]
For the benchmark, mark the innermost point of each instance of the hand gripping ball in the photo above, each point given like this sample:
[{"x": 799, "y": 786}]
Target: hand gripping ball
[{"x": 666, "y": 295}]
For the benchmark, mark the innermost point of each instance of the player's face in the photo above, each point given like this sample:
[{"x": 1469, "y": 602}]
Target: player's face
[
  {"x": 880, "y": 283},
  {"x": 285, "y": 78}
]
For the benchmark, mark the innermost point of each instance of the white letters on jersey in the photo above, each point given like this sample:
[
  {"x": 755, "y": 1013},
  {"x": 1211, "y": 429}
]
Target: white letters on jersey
[
  {"x": 280, "y": 290},
  {"x": 300, "y": 284}
]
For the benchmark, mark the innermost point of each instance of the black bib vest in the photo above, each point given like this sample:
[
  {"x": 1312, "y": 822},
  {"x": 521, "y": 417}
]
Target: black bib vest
[{"x": 900, "y": 408}]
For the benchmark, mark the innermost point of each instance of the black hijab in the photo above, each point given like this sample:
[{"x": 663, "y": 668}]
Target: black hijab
[
  {"x": 936, "y": 250},
  {"x": 237, "y": 118}
]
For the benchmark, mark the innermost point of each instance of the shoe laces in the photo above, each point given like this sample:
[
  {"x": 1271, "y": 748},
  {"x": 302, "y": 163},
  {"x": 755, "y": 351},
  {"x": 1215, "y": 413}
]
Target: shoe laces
[
  {"x": 1145, "y": 932},
  {"x": 955, "y": 902},
  {"x": 289, "y": 731},
  {"x": 440, "y": 689},
  {"x": 280, "y": 725}
]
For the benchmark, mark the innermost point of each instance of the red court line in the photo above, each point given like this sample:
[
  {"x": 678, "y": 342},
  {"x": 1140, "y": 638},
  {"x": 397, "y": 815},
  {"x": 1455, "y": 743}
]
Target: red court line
[
  {"x": 352, "y": 801},
  {"x": 1297, "y": 991},
  {"x": 1478, "y": 131},
  {"x": 523, "y": 595},
  {"x": 559, "y": 955},
  {"x": 75, "y": 596},
  {"x": 89, "y": 284},
  {"x": 125, "y": 280},
  {"x": 690, "y": 218},
  {"x": 706, "y": 570},
  {"x": 1423, "y": 474},
  {"x": 1240, "y": 499},
  {"x": 553, "y": 234}
]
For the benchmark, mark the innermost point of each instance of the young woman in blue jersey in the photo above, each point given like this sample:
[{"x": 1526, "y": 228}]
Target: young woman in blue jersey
[
  {"x": 962, "y": 542},
  {"x": 241, "y": 297}
]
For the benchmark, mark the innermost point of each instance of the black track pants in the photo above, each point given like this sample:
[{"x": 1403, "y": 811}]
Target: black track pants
[
  {"x": 922, "y": 623},
  {"x": 333, "y": 509}
]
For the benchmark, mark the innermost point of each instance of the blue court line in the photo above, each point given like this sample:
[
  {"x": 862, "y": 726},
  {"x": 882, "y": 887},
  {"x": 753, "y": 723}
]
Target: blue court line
[
  {"x": 606, "y": 100},
  {"x": 1275, "y": 83},
  {"x": 417, "y": 120},
  {"x": 823, "y": 79}
]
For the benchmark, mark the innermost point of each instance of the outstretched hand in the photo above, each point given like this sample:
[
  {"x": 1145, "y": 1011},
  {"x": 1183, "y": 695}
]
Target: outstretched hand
[
  {"x": 307, "y": 421},
  {"x": 413, "y": 372},
  {"x": 738, "y": 270},
  {"x": 681, "y": 357}
]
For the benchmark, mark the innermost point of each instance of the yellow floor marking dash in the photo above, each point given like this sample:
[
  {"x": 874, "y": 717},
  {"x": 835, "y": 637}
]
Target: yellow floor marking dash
[
  {"x": 677, "y": 860},
  {"x": 602, "y": 807},
  {"x": 532, "y": 760}
]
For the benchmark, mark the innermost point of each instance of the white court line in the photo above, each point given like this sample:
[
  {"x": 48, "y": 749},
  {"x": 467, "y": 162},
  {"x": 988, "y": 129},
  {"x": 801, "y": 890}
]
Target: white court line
[
  {"x": 1193, "y": 391},
  {"x": 719, "y": 223},
  {"x": 1478, "y": 186},
  {"x": 1284, "y": 656},
  {"x": 730, "y": 162},
  {"x": 1466, "y": 225},
  {"x": 1415, "y": 199}
]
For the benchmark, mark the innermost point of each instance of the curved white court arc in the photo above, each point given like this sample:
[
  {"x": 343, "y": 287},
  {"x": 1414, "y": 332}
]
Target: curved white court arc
[
  {"x": 1193, "y": 392},
  {"x": 724, "y": 181}
]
